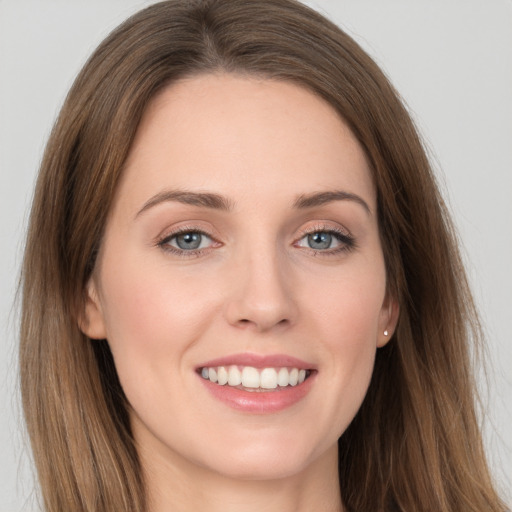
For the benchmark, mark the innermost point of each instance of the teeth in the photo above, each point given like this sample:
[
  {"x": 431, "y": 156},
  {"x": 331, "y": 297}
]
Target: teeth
[
  {"x": 250, "y": 377},
  {"x": 222, "y": 376},
  {"x": 268, "y": 378},
  {"x": 253, "y": 378},
  {"x": 283, "y": 377},
  {"x": 212, "y": 374},
  {"x": 234, "y": 376}
]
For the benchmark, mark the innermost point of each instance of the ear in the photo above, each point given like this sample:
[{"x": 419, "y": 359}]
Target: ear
[
  {"x": 90, "y": 320},
  {"x": 388, "y": 319}
]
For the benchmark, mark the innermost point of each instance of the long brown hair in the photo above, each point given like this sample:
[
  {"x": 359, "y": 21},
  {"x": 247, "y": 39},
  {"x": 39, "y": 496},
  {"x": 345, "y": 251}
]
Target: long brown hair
[{"x": 415, "y": 443}]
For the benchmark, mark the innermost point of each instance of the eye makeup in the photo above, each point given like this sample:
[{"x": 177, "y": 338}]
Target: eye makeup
[
  {"x": 329, "y": 240},
  {"x": 199, "y": 242},
  {"x": 320, "y": 239}
]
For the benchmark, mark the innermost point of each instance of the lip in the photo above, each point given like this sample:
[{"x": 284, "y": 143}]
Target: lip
[
  {"x": 259, "y": 361},
  {"x": 264, "y": 402}
]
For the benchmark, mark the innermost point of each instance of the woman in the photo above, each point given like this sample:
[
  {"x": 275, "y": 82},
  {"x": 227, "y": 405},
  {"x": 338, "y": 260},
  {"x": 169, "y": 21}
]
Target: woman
[{"x": 250, "y": 295}]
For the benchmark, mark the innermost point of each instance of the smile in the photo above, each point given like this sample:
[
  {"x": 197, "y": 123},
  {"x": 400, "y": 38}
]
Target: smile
[
  {"x": 258, "y": 383},
  {"x": 253, "y": 379}
]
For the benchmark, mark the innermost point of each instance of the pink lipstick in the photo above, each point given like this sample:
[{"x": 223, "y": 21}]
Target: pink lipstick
[{"x": 258, "y": 383}]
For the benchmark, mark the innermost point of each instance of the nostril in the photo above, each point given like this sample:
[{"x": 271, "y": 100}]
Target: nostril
[{"x": 263, "y": 325}]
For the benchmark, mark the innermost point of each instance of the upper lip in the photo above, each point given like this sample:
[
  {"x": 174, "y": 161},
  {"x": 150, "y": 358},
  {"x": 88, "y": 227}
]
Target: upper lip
[{"x": 259, "y": 361}]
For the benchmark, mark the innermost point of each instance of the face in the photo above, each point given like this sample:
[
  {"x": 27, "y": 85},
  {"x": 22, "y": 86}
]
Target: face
[{"x": 241, "y": 283}]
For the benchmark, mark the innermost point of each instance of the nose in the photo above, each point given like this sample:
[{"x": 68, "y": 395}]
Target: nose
[{"x": 261, "y": 294}]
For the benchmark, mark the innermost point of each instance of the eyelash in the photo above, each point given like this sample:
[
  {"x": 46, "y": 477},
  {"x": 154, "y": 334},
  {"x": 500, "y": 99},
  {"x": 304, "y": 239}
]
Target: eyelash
[
  {"x": 163, "y": 243},
  {"x": 347, "y": 241}
]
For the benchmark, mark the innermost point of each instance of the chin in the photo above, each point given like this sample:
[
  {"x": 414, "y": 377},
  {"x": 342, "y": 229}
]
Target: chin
[
  {"x": 262, "y": 469},
  {"x": 266, "y": 460}
]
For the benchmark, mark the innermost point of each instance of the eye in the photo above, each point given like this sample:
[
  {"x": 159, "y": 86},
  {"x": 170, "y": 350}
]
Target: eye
[
  {"x": 189, "y": 241},
  {"x": 329, "y": 241},
  {"x": 320, "y": 240}
]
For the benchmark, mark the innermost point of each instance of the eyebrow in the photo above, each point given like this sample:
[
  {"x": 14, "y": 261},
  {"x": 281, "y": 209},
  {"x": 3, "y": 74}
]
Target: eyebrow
[
  {"x": 219, "y": 202},
  {"x": 204, "y": 199},
  {"x": 320, "y": 198}
]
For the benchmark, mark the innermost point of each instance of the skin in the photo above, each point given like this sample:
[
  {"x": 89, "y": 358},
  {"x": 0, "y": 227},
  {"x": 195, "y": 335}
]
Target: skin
[{"x": 255, "y": 286}]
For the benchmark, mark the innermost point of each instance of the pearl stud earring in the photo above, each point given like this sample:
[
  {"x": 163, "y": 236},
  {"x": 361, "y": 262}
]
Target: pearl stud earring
[{"x": 386, "y": 333}]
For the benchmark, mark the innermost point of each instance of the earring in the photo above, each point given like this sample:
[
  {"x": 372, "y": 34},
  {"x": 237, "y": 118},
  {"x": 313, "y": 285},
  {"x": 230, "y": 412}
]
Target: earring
[{"x": 386, "y": 333}]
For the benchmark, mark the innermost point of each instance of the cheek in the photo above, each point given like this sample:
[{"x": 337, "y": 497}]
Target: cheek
[
  {"x": 151, "y": 312},
  {"x": 153, "y": 318},
  {"x": 346, "y": 316},
  {"x": 349, "y": 305}
]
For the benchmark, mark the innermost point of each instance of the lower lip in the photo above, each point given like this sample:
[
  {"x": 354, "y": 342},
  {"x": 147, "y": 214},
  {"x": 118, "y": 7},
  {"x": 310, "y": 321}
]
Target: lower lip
[{"x": 260, "y": 402}]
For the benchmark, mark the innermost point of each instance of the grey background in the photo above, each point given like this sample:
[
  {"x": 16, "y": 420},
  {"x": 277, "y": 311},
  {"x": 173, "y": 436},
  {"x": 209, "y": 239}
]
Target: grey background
[{"x": 450, "y": 60}]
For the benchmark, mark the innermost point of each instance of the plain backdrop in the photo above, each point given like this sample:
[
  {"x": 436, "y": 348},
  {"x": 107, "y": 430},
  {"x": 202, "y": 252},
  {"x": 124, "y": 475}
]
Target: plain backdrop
[{"x": 450, "y": 60}]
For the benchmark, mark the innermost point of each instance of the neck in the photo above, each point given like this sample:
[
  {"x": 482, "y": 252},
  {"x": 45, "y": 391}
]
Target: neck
[{"x": 182, "y": 486}]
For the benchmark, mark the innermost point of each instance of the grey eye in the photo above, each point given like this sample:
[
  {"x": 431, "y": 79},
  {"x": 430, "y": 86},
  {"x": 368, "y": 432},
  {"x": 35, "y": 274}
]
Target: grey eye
[
  {"x": 320, "y": 240},
  {"x": 189, "y": 241}
]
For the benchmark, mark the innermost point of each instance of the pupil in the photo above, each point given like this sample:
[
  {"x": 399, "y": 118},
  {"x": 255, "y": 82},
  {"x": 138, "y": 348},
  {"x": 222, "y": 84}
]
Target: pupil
[
  {"x": 320, "y": 240},
  {"x": 189, "y": 241}
]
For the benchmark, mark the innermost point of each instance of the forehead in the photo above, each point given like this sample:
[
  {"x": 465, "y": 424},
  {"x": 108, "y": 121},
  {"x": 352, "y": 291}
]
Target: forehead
[{"x": 244, "y": 136}]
